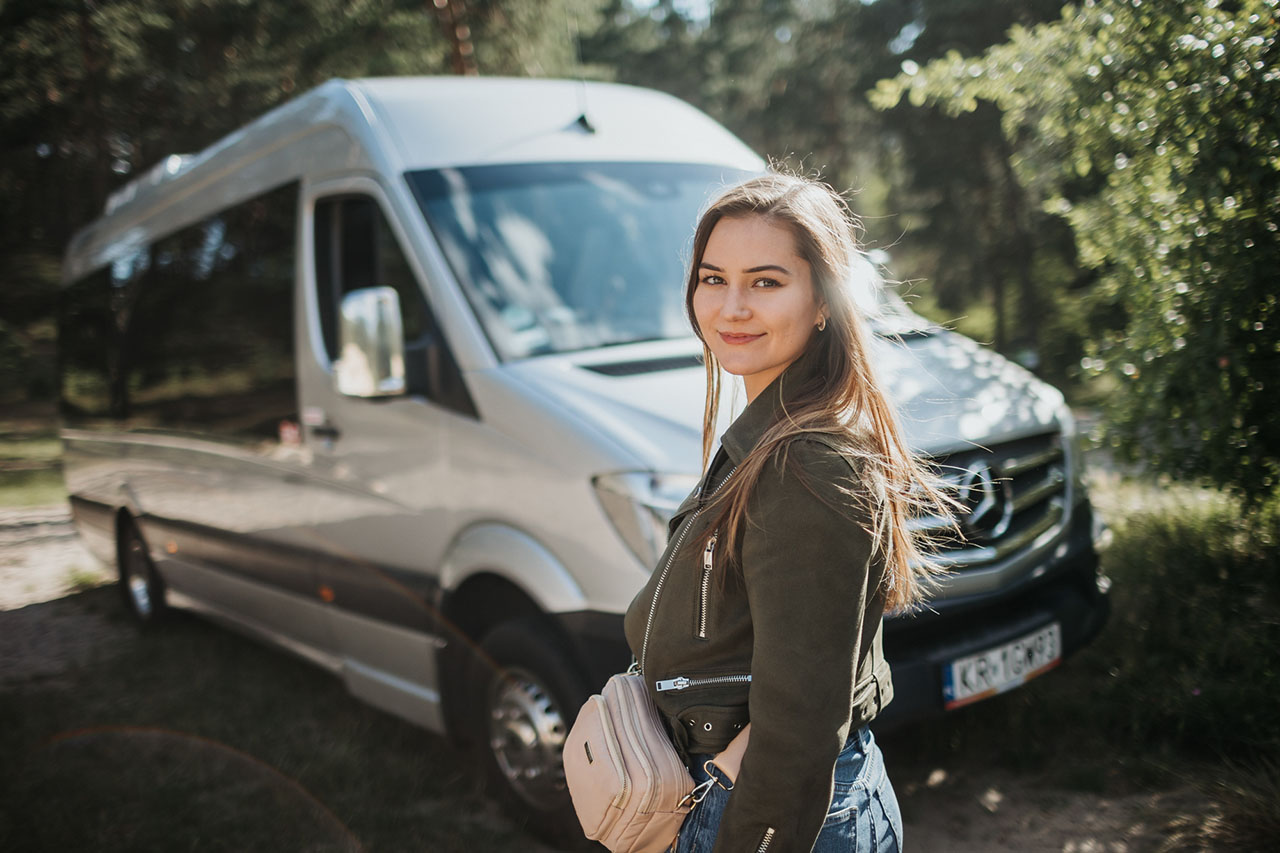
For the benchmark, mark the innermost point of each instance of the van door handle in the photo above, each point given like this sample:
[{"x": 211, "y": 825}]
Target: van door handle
[{"x": 326, "y": 431}]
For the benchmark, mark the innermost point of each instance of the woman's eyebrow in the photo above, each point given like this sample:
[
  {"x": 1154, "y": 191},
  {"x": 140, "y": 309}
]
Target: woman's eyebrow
[{"x": 765, "y": 268}]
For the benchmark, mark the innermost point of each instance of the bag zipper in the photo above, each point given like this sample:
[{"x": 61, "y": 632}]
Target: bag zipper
[
  {"x": 708, "y": 555},
  {"x": 609, "y": 734},
  {"x": 766, "y": 841},
  {"x": 657, "y": 590},
  {"x": 681, "y": 682},
  {"x": 631, "y": 725}
]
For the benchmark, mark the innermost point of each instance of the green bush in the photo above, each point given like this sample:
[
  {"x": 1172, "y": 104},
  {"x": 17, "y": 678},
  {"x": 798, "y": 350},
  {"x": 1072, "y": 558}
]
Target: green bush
[
  {"x": 1196, "y": 622},
  {"x": 1180, "y": 689}
]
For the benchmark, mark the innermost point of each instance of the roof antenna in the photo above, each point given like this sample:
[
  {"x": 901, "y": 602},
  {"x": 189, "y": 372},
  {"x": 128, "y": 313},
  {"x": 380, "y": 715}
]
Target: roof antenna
[{"x": 583, "y": 121}]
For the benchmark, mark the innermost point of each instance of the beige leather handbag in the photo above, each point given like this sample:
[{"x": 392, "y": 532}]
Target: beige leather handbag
[{"x": 629, "y": 787}]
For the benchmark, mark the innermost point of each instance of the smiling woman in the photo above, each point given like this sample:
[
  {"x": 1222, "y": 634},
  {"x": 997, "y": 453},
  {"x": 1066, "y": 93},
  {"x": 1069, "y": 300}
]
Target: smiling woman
[{"x": 795, "y": 543}]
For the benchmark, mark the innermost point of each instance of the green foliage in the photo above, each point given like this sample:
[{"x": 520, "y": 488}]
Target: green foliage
[
  {"x": 987, "y": 240},
  {"x": 1154, "y": 130},
  {"x": 522, "y": 39}
]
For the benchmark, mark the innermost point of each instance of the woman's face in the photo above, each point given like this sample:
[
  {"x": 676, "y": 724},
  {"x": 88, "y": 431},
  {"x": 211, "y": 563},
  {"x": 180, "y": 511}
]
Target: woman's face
[{"x": 755, "y": 300}]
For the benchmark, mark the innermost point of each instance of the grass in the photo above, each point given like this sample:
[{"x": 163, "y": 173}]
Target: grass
[
  {"x": 190, "y": 737},
  {"x": 40, "y": 446},
  {"x": 81, "y": 579},
  {"x": 41, "y": 487},
  {"x": 30, "y": 469}
]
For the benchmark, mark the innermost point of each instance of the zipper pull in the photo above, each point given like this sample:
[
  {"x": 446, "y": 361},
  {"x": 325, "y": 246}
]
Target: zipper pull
[
  {"x": 709, "y": 551},
  {"x": 678, "y": 683}
]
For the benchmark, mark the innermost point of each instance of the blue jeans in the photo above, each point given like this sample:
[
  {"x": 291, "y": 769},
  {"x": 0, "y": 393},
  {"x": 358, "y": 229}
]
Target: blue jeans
[{"x": 863, "y": 816}]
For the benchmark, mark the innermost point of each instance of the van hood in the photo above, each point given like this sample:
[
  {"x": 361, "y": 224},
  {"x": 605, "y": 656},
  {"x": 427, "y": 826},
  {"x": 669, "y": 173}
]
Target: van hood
[{"x": 951, "y": 393}]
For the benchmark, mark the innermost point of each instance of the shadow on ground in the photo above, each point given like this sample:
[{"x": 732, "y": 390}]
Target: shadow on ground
[{"x": 189, "y": 737}]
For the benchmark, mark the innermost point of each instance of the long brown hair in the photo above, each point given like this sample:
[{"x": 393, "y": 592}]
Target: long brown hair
[{"x": 843, "y": 401}]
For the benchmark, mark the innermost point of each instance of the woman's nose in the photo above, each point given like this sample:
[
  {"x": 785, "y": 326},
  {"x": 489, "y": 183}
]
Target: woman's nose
[{"x": 735, "y": 304}]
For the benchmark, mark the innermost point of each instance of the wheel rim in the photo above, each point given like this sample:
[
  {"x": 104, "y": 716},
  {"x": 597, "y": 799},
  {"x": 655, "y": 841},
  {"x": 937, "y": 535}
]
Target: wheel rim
[
  {"x": 526, "y": 734},
  {"x": 137, "y": 579}
]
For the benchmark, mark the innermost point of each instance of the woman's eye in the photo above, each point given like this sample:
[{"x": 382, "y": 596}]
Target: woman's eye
[
  {"x": 768, "y": 282},
  {"x": 711, "y": 279}
]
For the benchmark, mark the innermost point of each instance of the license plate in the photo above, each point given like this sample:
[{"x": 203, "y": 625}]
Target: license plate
[{"x": 993, "y": 671}]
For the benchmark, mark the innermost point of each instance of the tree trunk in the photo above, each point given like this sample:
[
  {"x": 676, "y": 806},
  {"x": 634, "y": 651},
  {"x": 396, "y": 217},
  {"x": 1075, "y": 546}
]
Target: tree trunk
[{"x": 452, "y": 16}]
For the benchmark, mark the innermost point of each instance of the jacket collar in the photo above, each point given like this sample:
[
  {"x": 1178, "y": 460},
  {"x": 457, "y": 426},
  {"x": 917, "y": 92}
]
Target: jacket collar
[{"x": 767, "y": 408}]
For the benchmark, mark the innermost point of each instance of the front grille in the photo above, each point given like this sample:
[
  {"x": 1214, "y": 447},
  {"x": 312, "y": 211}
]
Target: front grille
[{"x": 1013, "y": 494}]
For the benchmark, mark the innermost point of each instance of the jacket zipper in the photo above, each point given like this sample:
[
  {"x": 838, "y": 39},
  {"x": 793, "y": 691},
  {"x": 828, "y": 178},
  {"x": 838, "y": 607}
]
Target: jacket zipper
[
  {"x": 766, "y": 841},
  {"x": 662, "y": 578},
  {"x": 681, "y": 682},
  {"x": 708, "y": 555}
]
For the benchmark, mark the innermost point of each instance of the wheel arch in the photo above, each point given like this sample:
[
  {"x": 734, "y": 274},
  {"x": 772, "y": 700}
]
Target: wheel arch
[
  {"x": 484, "y": 601},
  {"x": 492, "y": 548}
]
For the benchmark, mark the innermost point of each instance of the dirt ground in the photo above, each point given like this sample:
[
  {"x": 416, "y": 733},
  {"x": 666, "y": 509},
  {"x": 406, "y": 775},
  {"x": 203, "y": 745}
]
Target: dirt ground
[{"x": 959, "y": 809}]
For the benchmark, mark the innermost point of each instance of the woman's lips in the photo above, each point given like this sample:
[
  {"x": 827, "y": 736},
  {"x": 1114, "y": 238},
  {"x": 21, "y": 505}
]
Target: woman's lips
[{"x": 732, "y": 338}]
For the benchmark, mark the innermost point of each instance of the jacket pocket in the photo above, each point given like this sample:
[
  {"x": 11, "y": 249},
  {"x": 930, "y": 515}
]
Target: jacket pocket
[{"x": 709, "y": 728}]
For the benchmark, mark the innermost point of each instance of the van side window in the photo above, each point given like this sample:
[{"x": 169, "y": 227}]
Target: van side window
[
  {"x": 354, "y": 248},
  {"x": 192, "y": 332}
]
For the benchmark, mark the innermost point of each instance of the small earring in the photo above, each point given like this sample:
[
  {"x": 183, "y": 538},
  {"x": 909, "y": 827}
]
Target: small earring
[{"x": 822, "y": 326}]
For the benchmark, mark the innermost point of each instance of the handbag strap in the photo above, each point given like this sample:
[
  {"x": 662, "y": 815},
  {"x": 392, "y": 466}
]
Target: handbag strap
[{"x": 729, "y": 761}]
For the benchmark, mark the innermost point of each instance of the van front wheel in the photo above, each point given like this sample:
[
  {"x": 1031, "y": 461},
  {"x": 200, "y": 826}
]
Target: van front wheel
[{"x": 527, "y": 695}]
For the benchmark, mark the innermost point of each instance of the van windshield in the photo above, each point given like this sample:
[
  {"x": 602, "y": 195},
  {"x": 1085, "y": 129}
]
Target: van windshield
[{"x": 557, "y": 257}]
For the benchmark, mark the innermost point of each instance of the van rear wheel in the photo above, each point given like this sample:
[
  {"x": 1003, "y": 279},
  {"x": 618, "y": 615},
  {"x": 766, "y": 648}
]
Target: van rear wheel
[
  {"x": 140, "y": 584},
  {"x": 527, "y": 694}
]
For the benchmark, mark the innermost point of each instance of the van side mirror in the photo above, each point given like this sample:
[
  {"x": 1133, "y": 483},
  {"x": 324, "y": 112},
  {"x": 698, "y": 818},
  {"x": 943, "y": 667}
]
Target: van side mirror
[{"x": 371, "y": 342}]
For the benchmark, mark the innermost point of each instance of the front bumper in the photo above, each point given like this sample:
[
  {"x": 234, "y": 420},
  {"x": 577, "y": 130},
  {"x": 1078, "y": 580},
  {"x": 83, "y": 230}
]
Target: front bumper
[{"x": 1069, "y": 591}]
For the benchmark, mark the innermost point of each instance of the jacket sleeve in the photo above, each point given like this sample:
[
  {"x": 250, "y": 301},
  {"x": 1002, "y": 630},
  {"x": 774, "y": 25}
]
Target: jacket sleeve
[{"x": 806, "y": 562}]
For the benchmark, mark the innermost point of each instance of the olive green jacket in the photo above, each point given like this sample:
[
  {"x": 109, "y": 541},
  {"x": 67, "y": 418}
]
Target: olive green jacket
[{"x": 791, "y": 644}]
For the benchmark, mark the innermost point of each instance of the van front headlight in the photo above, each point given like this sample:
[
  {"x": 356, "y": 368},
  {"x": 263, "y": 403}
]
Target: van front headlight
[{"x": 640, "y": 504}]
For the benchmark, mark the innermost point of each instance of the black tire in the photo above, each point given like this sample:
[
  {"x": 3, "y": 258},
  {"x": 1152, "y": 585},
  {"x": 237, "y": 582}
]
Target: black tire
[
  {"x": 525, "y": 694},
  {"x": 140, "y": 584}
]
